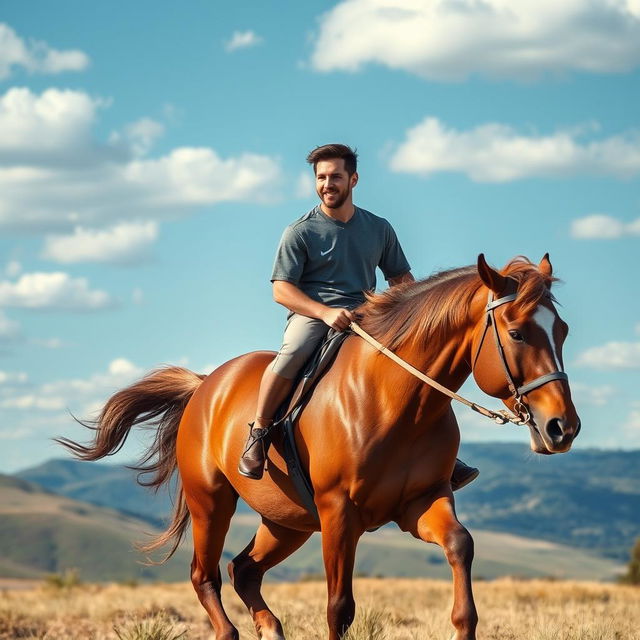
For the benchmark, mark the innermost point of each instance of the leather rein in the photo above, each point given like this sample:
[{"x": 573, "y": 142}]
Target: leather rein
[{"x": 522, "y": 415}]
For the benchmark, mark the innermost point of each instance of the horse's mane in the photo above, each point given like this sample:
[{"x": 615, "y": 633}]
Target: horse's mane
[{"x": 430, "y": 308}]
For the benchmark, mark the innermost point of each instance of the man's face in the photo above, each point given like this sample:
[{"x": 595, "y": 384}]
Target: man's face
[{"x": 333, "y": 183}]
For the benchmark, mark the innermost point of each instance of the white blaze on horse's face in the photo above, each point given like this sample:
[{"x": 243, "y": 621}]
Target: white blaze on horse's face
[
  {"x": 555, "y": 422},
  {"x": 545, "y": 318}
]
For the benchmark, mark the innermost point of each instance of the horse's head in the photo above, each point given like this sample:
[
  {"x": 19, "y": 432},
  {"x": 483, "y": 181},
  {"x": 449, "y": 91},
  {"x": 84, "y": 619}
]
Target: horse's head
[{"x": 517, "y": 351}]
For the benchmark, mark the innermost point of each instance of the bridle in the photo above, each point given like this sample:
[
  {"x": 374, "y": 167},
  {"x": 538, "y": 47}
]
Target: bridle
[
  {"x": 522, "y": 414},
  {"x": 517, "y": 391}
]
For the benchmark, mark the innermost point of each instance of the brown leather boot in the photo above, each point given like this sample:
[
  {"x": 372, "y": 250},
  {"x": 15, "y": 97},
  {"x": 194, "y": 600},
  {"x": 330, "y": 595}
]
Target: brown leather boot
[
  {"x": 462, "y": 475},
  {"x": 254, "y": 456}
]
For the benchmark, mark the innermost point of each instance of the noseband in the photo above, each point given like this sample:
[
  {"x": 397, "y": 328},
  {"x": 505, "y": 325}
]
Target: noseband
[{"x": 520, "y": 407}]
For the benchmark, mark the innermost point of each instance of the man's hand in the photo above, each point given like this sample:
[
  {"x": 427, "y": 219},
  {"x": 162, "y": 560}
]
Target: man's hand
[{"x": 338, "y": 319}]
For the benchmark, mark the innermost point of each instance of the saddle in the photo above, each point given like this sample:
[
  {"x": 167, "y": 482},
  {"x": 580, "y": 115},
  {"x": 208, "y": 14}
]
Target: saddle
[{"x": 289, "y": 413}]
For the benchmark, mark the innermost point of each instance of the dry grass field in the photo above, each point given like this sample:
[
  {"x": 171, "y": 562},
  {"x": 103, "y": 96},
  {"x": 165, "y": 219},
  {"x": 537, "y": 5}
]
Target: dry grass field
[{"x": 388, "y": 609}]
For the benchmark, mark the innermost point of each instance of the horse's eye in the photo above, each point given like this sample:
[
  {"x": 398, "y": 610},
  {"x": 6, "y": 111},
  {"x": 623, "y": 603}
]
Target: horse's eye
[{"x": 516, "y": 335}]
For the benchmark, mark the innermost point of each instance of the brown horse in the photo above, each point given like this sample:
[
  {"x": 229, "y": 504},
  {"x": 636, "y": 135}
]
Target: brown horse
[{"x": 379, "y": 445}]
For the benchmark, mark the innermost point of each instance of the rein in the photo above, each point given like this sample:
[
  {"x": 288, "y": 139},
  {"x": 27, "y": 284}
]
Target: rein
[{"x": 502, "y": 416}]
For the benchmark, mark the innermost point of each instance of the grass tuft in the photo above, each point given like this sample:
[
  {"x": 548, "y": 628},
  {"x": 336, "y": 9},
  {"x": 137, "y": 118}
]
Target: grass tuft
[
  {"x": 389, "y": 609},
  {"x": 160, "y": 627},
  {"x": 369, "y": 624}
]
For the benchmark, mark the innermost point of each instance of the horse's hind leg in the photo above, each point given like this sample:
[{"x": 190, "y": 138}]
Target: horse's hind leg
[
  {"x": 211, "y": 505},
  {"x": 271, "y": 544}
]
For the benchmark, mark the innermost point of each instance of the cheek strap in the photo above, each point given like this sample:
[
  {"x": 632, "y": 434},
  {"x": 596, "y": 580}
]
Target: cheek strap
[{"x": 529, "y": 386}]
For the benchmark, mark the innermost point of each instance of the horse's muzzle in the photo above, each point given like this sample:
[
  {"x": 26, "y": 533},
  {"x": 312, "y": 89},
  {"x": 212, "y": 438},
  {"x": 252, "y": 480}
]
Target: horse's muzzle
[
  {"x": 558, "y": 434},
  {"x": 553, "y": 435}
]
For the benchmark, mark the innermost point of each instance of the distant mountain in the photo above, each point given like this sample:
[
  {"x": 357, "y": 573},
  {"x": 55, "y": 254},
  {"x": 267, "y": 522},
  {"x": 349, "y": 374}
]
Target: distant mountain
[
  {"x": 585, "y": 498},
  {"x": 42, "y": 532},
  {"x": 588, "y": 499},
  {"x": 100, "y": 484},
  {"x": 105, "y": 485}
]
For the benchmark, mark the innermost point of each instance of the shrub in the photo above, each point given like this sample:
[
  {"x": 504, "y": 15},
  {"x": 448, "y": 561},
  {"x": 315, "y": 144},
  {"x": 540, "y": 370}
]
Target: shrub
[
  {"x": 633, "y": 571},
  {"x": 68, "y": 579}
]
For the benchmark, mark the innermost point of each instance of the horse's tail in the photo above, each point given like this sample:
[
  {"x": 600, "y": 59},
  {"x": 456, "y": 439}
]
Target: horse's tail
[{"x": 158, "y": 399}]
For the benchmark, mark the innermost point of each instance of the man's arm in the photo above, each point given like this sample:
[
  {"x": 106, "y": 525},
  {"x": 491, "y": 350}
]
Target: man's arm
[
  {"x": 405, "y": 277},
  {"x": 291, "y": 297}
]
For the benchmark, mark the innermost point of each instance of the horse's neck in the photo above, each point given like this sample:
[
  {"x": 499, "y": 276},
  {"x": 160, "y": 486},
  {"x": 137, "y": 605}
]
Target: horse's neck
[
  {"x": 449, "y": 366},
  {"x": 406, "y": 397}
]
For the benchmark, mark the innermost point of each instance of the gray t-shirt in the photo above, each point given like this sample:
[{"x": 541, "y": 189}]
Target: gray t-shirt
[{"x": 334, "y": 262}]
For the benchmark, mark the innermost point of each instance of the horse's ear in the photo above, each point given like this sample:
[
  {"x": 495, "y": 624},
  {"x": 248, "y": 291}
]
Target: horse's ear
[
  {"x": 545, "y": 267},
  {"x": 496, "y": 282}
]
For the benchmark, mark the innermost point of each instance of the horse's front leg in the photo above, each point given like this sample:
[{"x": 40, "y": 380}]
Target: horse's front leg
[
  {"x": 433, "y": 519},
  {"x": 341, "y": 529}
]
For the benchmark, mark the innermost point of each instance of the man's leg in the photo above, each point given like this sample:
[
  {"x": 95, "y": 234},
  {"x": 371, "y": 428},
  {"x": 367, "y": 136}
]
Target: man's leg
[
  {"x": 274, "y": 388},
  {"x": 301, "y": 337}
]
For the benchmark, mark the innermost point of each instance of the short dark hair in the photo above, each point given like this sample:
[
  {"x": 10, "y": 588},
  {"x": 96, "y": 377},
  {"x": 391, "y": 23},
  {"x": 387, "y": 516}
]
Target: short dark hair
[{"x": 335, "y": 150}]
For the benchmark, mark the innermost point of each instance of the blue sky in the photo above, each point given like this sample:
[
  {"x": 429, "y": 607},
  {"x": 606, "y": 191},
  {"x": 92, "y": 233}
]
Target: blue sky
[{"x": 150, "y": 157}]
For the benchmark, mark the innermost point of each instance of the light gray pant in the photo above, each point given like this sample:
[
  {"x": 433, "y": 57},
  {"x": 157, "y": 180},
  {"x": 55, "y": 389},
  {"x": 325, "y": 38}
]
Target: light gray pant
[{"x": 301, "y": 337}]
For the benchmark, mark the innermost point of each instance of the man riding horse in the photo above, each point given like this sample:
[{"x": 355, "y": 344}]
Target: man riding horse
[{"x": 325, "y": 262}]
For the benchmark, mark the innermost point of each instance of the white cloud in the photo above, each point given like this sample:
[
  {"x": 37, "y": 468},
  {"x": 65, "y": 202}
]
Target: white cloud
[
  {"x": 9, "y": 329},
  {"x": 452, "y": 39},
  {"x": 36, "y": 56},
  {"x": 54, "y": 175},
  {"x": 13, "y": 377},
  {"x": 12, "y": 269},
  {"x": 305, "y": 187},
  {"x": 48, "y": 343},
  {"x": 498, "y": 153},
  {"x": 197, "y": 176},
  {"x": 137, "y": 296},
  {"x": 91, "y": 392},
  {"x": 140, "y": 135},
  {"x": 125, "y": 243},
  {"x": 631, "y": 429},
  {"x": 612, "y": 355},
  {"x": 597, "y": 396},
  {"x": 602, "y": 227},
  {"x": 51, "y": 129},
  {"x": 84, "y": 395},
  {"x": 121, "y": 368},
  {"x": 242, "y": 40},
  {"x": 32, "y": 401},
  {"x": 19, "y": 433},
  {"x": 55, "y": 290}
]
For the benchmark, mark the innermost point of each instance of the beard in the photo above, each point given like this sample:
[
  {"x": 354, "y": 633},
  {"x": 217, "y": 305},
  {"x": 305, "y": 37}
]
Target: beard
[{"x": 339, "y": 198}]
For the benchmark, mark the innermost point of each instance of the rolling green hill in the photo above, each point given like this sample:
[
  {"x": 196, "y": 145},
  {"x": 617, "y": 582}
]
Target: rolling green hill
[
  {"x": 589, "y": 499},
  {"x": 41, "y": 532},
  {"x": 100, "y": 484},
  {"x": 530, "y": 516}
]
